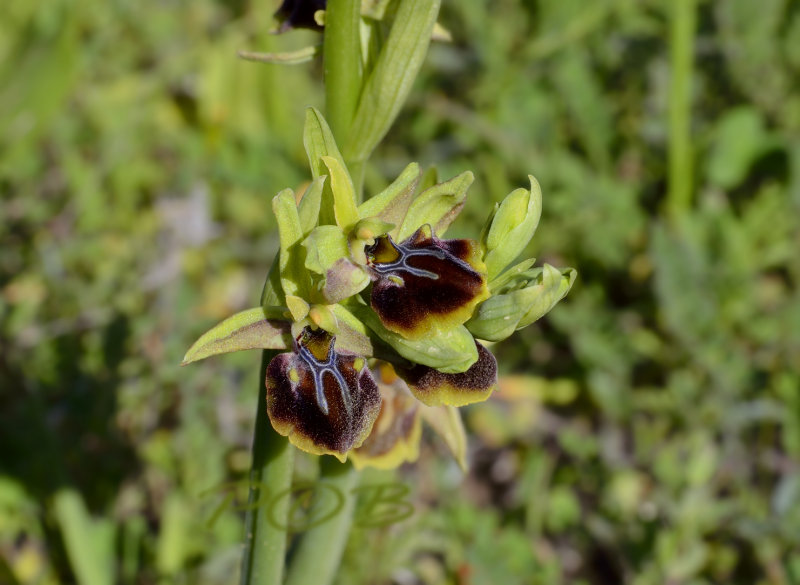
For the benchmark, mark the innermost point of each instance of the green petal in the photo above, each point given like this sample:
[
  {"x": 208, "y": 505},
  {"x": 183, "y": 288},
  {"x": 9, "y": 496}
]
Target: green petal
[
  {"x": 258, "y": 328},
  {"x": 434, "y": 388},
  {"x": 324, "y": 401}
]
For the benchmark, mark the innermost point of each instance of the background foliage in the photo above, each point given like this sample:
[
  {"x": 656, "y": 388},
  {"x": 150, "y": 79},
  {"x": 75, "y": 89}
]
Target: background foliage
[{"x": 646, "y": 432}]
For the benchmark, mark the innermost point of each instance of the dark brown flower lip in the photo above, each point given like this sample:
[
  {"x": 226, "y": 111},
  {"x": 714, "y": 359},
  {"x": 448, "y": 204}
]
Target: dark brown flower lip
[
  {"x": 325, "y": 401},
  {"x": 425, "y": 283},
  {"x": 432, "y": 387}
]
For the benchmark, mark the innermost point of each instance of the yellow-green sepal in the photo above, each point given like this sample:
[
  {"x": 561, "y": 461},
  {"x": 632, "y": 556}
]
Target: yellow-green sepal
[
  {"x": 309, "y": 206},
  {"x": 294, "y": 278},
  {"x": 319, "y": 142},
  {"x": 345, "y": 210},
  {"x": 257, "y": 328},
  {"x": 391, "y": 204},
  {"x": 438, "y": 206}
]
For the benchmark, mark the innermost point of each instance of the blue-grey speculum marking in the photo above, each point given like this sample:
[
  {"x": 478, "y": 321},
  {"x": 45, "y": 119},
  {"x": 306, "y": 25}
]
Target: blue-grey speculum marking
[{"x": 318, "y": 371}]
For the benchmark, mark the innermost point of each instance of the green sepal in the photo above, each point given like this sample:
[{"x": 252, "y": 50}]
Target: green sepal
[
  {"x": 328, "y": 254},
  {"x": 438, "y": 206},
  {"x": 391, "y": 204},
  {"x": 308, "y": 208},
  {"x": 258, "y": 328},
  {"x": 512, "y": 227},
  {"x": 272, "y": 293},
  {"x": 509, "y": 275},
  {"x": 520, "y": 302},
  {"x": 430, "y": 177},
  {"x": 294, "y": 278},
  {"x": 452, "y": 351},
  {"x": 391, "y": 79},
  {"x": 318, "y": 141},
  {"x": 345, "y": 209}
]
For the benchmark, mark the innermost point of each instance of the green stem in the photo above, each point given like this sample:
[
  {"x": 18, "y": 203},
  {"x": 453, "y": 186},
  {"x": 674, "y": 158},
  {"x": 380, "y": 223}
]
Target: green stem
[
  {"x": 320, "y": 551},
  {"x": 682, "y": 29},
  {"x": 342, "y": 63},
  {"x": 273, "y": 458}
]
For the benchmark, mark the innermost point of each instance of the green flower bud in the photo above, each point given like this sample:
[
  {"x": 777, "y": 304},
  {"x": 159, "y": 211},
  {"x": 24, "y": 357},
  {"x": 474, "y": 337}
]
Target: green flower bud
[
  {"x": 512, "y": 227},
  {"x": 527, "y": 297}
]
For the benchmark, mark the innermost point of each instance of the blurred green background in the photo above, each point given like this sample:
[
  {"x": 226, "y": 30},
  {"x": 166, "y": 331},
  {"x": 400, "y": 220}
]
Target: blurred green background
[{"x": 646, "y": 432}]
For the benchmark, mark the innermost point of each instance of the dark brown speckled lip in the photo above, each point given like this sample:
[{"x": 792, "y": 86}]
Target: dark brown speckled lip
[
  {"x": 422, "y": 279},
  {"x": 331, "y": 404}
]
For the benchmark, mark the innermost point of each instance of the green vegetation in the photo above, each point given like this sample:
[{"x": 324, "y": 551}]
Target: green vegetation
[{"x": 647, "y": 431}]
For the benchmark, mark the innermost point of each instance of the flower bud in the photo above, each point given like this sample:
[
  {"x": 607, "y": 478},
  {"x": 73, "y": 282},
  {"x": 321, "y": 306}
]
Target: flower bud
[{"x": 512, "y": 227}]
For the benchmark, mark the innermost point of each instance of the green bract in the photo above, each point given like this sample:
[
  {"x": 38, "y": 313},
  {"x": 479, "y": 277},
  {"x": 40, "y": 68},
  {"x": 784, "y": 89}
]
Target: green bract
[{"x": 376, "y": 280}]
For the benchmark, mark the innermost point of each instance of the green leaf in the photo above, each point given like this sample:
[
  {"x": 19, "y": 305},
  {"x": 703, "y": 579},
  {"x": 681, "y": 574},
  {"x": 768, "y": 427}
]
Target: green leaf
[
  {"x": 258, "y": 328},
  {"x": 89, "y": 543},
  {"x": 739, "y": 138},
  {"x": 345, "y": 209},
  {"x": 297, "y": 57},
  {"x": 294, "y": 279},
  {"x": 451, "y": 352},
  {"x": 437, "y": 206},
  {"x": 513, "y": 226},
  {"x": 391, "y": 79},
  {"x": 502, "y": 314},
  {"x": 391, "y": 204}
]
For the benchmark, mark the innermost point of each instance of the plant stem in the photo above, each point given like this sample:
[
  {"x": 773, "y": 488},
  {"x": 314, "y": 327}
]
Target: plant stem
[
  {"x": 682, "y": 29},
  {"x": 271, "y": 474},
  {"x": 320, "y": 552},
  {"x": 342, "y": 63}
]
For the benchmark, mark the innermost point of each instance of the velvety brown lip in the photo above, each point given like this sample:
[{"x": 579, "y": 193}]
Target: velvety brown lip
[
  {"x": 433, "y": 387},
  {"x": 325, "y": 401},
  {"x": 425, "y": 281}
]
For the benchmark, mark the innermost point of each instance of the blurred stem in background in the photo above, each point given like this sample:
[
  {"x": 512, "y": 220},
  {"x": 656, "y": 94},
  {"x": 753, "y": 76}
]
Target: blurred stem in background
[
  {"x": 682, "y": 29},
  {"x": 271, "y": 474},
  {"x": 320, "y": 551}
]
